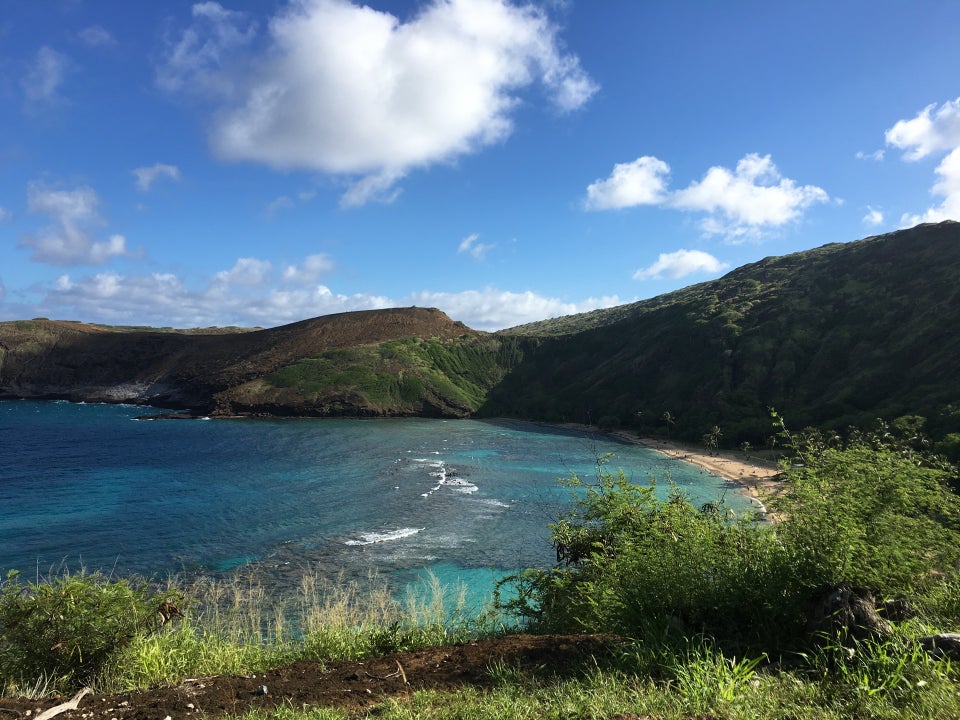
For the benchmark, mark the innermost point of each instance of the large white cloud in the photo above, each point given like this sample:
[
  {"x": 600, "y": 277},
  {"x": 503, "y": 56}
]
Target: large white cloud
[
  {"x": 346, "y": 89},
  {"x": 641, "y": 182},
  {"x": 67, "y": 239},
  {"x": 932, "y": 131},
  {"x": 252, "y": 293},
  {"x": 745, "y": 202},
  {"x": 680, "y": 264}
]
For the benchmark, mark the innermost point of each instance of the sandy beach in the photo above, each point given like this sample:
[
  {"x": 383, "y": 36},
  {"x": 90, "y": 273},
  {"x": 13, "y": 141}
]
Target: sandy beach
[{"x": 756, "y": 477}]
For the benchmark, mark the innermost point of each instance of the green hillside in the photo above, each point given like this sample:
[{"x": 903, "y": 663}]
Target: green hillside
[
  {"x": 830, "y": 337},
  {"x": 834, "y": 336}
]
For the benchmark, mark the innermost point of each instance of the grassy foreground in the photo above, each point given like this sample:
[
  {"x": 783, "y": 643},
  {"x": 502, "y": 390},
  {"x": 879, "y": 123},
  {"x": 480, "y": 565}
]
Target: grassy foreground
[{"x": 237, "y": 628}]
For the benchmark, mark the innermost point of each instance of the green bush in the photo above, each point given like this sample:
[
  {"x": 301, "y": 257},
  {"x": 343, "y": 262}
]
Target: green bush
[
  {"x": 632, "y": 563},
  {"x": 875, "y": 511},
  {"x": 64, "y": 629}
]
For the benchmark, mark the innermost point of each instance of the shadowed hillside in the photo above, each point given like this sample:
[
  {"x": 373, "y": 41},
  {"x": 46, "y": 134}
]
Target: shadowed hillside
[{"x": 833, "y": 336}]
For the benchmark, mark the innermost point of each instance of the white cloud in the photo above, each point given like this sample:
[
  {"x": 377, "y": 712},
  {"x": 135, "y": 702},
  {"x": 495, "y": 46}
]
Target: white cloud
[
  {"x": 353, "y": 91},
  {"x": 492, "y": 309},
  {"x": 948, "y": 186},
  {"x": 200, "y": 60},
  {"x": 66, "y": 240},
  {"x": 641, "y": 182},
  {"x": 96, "y": 36},
  {"x": 276, "y": 205},
  {"x": 41, "y": 84},
  {"x": 873, "y": 216},
  {"x": 929, "y": 132},
  {"x": 248, "y": 295},
  {"x": 746, "y": 202},
  {"x": 5, "y": 214},
  {"x": 933, "y": 130},
  {"x": 680, "y": 264},
  {"x": 245, "y": 271},
  {"x": 876, "y": 155},
  {"x": 312, "y": 269},
  {"x": 470, "y": 246},
  {"x": 146, "y": 176}
]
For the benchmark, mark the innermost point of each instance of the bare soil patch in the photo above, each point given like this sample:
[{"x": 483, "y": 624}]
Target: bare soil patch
[{"x": 355, "y": 686}]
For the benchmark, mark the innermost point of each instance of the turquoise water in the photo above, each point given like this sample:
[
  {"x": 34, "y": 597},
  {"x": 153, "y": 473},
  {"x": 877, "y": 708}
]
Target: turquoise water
[{"x": 90, "y": 485}]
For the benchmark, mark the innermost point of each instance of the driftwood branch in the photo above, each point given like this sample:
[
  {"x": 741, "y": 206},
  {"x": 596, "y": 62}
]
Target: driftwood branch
[
  {"x": 63, "y": 707},
  {"x": 397, "y": 673}
]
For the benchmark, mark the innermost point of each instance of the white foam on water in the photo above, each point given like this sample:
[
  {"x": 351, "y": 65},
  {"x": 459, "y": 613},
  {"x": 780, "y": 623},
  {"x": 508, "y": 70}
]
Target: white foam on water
[
  {"x": 371, "y": 538},
  {"x": 493, "y": 502}
]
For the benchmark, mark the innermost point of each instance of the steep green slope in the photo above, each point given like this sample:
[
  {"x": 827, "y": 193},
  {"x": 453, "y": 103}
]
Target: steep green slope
[{"x": 833, "y": 336}]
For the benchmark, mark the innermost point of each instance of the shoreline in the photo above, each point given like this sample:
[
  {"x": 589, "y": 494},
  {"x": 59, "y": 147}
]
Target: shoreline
[{"x": 755, "y": 477}]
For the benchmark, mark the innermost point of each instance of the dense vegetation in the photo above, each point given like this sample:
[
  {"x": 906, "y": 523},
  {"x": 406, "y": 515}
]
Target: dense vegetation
[
  {"x": 833, "y": 337},
  {"x": 875, "y": 511}
]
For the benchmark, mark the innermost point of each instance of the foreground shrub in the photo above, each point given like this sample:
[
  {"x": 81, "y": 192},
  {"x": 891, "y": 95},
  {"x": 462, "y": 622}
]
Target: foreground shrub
[
  {"x": 874, "y": 512},
  {"x": 632, "y": 563},
  {"x": 64, "y": 629}
]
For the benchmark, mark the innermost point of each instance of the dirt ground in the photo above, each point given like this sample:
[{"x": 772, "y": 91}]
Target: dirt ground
[{"x": 355, "y": 686}]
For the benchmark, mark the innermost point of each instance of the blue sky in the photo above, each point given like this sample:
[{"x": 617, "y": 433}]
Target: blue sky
[{"x": 257, "y": 163}]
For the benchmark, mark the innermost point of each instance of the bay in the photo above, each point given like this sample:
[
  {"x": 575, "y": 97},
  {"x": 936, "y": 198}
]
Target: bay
[{"x": 468, "y": 500}]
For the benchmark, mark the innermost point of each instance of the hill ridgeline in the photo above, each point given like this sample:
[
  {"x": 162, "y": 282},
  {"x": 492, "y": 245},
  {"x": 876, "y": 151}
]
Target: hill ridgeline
[{"x": 833, "y": 336}]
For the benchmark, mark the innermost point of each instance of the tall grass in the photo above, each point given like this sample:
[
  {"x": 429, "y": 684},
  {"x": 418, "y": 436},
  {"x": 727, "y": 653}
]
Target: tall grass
[{"x": 238, "y": 627}]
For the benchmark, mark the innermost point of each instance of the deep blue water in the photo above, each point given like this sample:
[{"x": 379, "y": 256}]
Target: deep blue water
[{"x": 90, "y": 485}]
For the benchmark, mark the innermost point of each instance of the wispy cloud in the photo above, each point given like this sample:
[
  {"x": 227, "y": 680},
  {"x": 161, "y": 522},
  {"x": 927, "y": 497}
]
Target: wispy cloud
[
  {"x": 933, "y": 131},
  {"x": 147, "y": 176},
  {"x": 472, "y": 246},
  {"x": 277, "y": 205},
  {"x": 200, "y": 60},
  {"x": 96, "y": 36},
  {"x": 680, "y": 264},
  {"x": 876, "y": 155},
  {"x": 746, "y": 202},
  {"x": 344, "y": 89},
  {"x": 67, "y": 239},
  {"x": 42, "y": 81}
]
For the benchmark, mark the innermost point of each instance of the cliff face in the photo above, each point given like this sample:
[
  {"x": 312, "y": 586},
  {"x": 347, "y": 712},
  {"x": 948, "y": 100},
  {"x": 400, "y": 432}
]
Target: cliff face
[{"x": 189, "y": 370}]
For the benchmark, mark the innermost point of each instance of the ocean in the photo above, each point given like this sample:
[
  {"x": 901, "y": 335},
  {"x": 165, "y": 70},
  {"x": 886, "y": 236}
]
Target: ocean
[{"x": 88, "y": 485}]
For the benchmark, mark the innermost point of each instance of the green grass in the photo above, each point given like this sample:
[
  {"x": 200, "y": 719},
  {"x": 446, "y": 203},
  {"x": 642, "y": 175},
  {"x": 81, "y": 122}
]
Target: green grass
[{"x": 238, "y": 628}]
